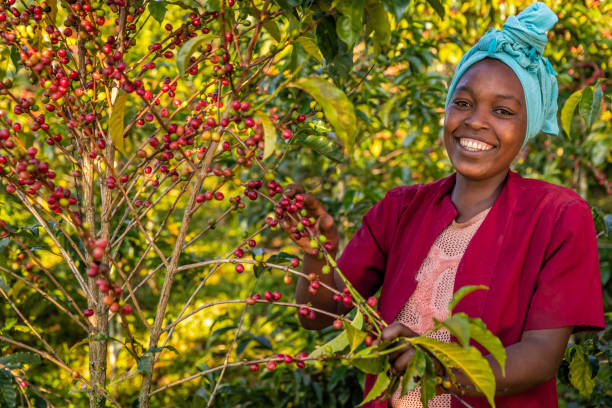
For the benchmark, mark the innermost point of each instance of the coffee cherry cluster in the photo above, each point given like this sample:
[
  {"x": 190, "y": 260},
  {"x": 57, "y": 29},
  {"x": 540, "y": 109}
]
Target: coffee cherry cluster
[{"x": 345, "y": 298}]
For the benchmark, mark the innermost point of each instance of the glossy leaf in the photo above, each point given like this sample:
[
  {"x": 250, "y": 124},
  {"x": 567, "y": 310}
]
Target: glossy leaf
[
  {"x": 187, "y": 50},
  {"x": 270, "y": 134},
  {"x": 310, "y": 46},
  {"x": 586, "y": 102},
  {"x": 355, "y": 336},
  {"x": 372, "y": 365},
  {"x": 462, "y": 292},
  {"x": 336, "y": 106},
  {"x": 321, "y": 145},
  {"x": 336, "y": 345},
  {"x": 272, "y": 29},
  {"x": 580, "y": 374},
  {"x": 414, "y": 370},
  {"x": 385, "y": 110},
  {"x": 378, "y": 22},
  {"x": 437, "y": 6},
  {"x": 349, "y": 25},
  {"x": 157, "y": 8},
  {"x": 459, "y": 326},
  {"x": 482, "y": 335},
  {"x": 396, "y": 7},
  {"x": 470, "y": 361},
  {"x": 381, "y": 384},
  {"x": 116, "y": 124},
  {"x": 428, "y": 383},
  {"x": 596, "y": 105},
  {"x": 567, "y": 112}
]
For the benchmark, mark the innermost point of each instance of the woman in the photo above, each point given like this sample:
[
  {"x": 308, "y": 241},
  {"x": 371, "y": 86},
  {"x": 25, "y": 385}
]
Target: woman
[{"x": 531, "y": 243}]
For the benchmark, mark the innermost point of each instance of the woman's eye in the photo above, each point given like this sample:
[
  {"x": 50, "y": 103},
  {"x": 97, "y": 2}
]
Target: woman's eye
[
  {"x": 461, "y": 104},
  {"x": 503, "y": 112}
]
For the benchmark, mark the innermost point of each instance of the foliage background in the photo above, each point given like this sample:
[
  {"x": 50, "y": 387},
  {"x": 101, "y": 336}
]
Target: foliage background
[{"x": 395, "y": 78}]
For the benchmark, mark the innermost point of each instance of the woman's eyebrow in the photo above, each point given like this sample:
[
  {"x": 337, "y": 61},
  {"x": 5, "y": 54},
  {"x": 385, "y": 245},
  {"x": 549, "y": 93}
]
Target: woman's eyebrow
[
  {"x": 468, "y": 89},
  {"x": 517, "y": 100}
]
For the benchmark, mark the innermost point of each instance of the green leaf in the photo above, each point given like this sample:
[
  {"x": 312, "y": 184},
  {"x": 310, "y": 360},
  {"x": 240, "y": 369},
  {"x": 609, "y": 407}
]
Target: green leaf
[
  {"x": 157, "y": 8},
  {"x": 270, "y": 134},
  {"x": 349, "y": 24},
  {"x": 586, "y": 102},
  {"x": 437, "y": 6},
  {"x": 358, "y": 321},
  {"x": 20, "y": 358},
  {"x": 482, "y": 335},
  {"x": 116, "y": 124},
  {"x": 470, "y": 361},
  {"x": 272, "y": 28},
  {"x": 145, "y": 363},
  {"x": 385, "y": 110},
  {"x": 310, "y": 46},
  {"x": 378, "y": 22},
  {"x": 567, "y": 112},
  {"x": 355, "y": 336},
  {"x": 459, "y": 326},
  {"x": 428, "y": 383},
  {"x": 372, "y": 365},
  {"x": 414, "y": 370},
  {"x": 381, "y": 384},
  {"x": 462, "y": 292},
  {"x": 7, "y": 389},
  {"x": 596, "y": 105},
  {"x": 580, "y": 374},
  {"x": 341, "y": 341},
  {"x": 321, "y": 145},
  {"x": 396, "y": 7},
  {"x": 187, "y": 50},
  {"x": 53, "y": 13},
  {"x": 280, "y": 257},
  {"x": 336, "y": 345},
  {"x": 336, "y": 106}
]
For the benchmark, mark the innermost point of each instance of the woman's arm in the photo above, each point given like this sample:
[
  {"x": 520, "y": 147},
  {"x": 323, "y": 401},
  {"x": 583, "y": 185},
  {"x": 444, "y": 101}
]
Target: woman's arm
[
  {"x": 532, "y": 361},
  {"x": 324, "y": 224}
]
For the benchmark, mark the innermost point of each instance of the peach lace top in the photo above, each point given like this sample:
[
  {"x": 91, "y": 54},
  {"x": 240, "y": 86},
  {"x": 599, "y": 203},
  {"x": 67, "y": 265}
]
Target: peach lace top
[{"x": 435, "y": 282}]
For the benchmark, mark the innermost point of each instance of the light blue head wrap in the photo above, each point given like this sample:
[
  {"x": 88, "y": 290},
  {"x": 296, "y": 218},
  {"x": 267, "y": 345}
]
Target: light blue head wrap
[{"x": 520, "y": 45}]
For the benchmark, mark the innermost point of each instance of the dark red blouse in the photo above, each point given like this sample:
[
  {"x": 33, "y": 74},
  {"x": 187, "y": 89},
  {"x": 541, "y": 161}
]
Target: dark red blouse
[{"x": 536, "y": 251}]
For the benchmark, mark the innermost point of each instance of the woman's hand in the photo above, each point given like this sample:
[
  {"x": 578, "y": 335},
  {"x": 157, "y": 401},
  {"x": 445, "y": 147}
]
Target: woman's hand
[
  {"x": 324, "y": 223},
  {"x": 399, "y": 359}
]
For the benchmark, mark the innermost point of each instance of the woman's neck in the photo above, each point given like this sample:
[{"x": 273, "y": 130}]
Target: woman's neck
[{"x": 473, "y": 196}]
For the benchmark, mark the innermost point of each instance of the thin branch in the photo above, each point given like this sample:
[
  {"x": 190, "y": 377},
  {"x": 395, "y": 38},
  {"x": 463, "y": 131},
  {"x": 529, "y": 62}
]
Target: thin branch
[
  {"x": 227, "y": 355},
  {"x": 46, "y": 296},
  {"x": 59, "y": 363},
  {"x": 65, "y": 255}
]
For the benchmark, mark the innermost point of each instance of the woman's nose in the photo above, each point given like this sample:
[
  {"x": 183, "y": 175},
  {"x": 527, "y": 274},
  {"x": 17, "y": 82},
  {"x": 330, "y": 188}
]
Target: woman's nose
[{"x": 477, "y": 119}]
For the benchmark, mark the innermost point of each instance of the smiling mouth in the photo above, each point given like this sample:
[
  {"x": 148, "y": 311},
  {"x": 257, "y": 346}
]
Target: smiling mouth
[{"x": 473, "y": 145}]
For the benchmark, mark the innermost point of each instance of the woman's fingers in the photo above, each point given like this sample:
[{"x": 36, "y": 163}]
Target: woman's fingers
[
  {"x": 292, "y": 189},
  {"x": 396, "y": 329},
  {"x": 398, "y": 365},
  {"x": 399, "y": 359}
]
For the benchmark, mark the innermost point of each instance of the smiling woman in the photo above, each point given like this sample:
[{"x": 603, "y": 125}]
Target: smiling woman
[
  {"x": 485, "y": 121},
  {"x": 531, "y": 243}
]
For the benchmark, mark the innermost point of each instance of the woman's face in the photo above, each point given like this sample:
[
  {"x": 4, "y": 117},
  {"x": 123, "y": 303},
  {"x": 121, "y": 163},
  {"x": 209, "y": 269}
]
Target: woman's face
[{"x": 485, "y": 121}]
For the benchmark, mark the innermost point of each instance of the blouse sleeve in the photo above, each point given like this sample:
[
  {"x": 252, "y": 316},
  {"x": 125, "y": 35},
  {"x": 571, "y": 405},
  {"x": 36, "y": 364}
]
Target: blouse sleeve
[
  {"x": 568, "y": 288},
  {"x": 364, "y": 259}
]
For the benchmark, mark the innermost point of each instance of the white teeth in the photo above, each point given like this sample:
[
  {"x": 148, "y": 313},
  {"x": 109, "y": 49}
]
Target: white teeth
[{"x": 474, "y": 145}]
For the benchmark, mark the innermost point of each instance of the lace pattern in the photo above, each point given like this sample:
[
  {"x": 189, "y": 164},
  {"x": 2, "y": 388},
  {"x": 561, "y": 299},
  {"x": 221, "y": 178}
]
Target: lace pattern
[{"x": 435, "y": 282}]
